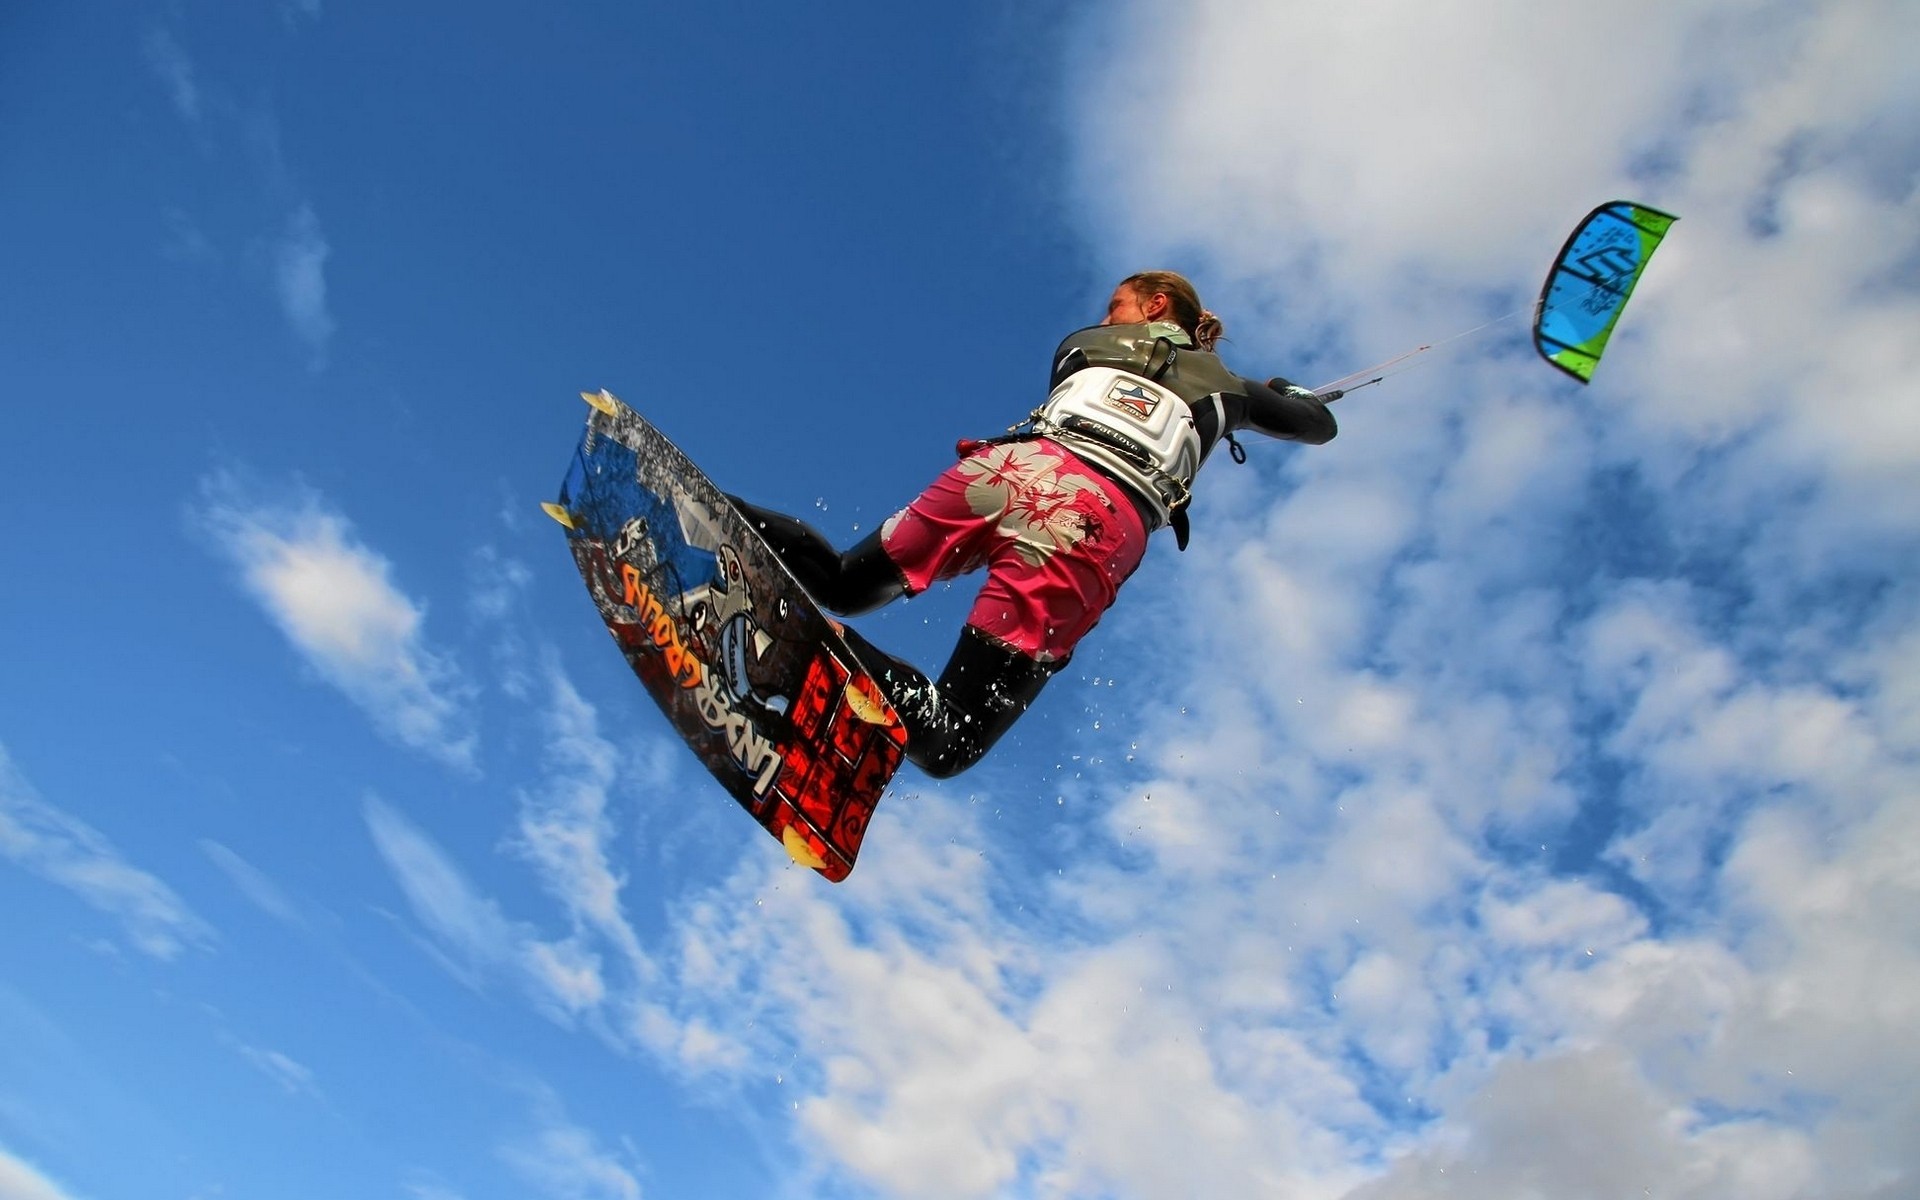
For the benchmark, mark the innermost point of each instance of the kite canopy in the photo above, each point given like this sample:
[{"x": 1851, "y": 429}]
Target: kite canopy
[{"x": 1590, "y": 283}]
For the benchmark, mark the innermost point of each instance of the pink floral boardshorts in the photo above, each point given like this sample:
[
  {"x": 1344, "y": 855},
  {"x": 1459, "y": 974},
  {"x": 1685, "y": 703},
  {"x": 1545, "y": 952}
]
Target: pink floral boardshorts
[{"x": 1057, "y": 539}]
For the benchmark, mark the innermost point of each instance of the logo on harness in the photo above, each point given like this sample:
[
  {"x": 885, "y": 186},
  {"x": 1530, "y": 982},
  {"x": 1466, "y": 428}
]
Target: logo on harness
[
  {"x": 1108, "y": 436},
  {"x": 1132, "y": 399}
]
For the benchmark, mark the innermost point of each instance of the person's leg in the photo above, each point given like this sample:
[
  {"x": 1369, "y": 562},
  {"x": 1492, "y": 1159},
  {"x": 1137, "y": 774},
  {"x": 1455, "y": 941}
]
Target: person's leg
[
  {"x": 984, "y": 689},
  {"x": 1057, "y": 540},
  {"x": 859, "y": 581}
]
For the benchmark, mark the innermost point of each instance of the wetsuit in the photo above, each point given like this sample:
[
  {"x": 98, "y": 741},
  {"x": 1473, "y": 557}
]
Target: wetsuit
[{"x": 1057, "y": 513}]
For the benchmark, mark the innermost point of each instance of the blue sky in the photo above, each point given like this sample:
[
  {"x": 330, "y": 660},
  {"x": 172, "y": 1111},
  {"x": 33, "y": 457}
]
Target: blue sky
[{"x": 1516, "y": 796}]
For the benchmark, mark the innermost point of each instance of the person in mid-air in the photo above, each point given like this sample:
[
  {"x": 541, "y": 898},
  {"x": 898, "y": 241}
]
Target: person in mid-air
[{"x": 1058, "y": 512}]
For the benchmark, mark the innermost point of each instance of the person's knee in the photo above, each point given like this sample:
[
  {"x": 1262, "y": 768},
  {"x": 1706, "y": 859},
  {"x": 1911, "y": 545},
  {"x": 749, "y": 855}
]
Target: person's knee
[{"x": 868, "y": 578}]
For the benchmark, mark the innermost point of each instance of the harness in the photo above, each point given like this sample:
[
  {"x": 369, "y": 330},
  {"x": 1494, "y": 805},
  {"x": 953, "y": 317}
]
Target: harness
[
  {"x": 1113, "y": 406},
  {"x": 1132, "y": 429},
  {"x": 1131, "y": 425}
]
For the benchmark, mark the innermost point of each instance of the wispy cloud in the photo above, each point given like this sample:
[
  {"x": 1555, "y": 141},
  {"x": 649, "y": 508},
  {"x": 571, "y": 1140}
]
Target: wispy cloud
[
  {"x": 186, "y": 242},
  {"x": 496, "y": 587},
  {"x": 295, "y": 254},
  {"x": 565, "y": 1161},
  {"x": 476, "y": 940},
  {"x": 300, "y": 255},
  {"x": 292, "y": 1077},
  {"x": 335, "y": 600},
  {"x": 21, "y": 1180},
  {"x": 423, "y": 1187},
  {"x": 497, "y": 584},
  {"x": 566, "y": 831},
  {"x": 253, "y": 883},
  {"x": 439, "y": 894},
  {"x": 557, "y": 1157},
  {"x": 67, "y": 851},
  {"x": 169, "y": 62}
]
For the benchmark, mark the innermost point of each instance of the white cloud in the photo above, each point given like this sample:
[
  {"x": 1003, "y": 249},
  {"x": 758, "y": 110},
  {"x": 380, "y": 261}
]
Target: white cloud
[
  {"x": 561, "y": 1160},
  {"x": 300, "y": 256},
  {"x": 21, "y": 1180},
  {"x": 67, "y": 851},
  {"x": 1585, "y": 1126},
  {"x": 335, "y": 600},
  {"x": 1439, "y": 585},
  {"x": 938, "y": 1049}
]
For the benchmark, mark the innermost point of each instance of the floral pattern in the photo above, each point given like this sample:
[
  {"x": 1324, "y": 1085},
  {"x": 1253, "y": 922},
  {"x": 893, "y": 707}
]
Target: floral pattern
[{"x": 1040, "y": 509}]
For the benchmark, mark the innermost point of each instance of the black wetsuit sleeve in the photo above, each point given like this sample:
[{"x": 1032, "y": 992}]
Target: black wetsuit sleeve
[{"x": 1279, "y": 409}]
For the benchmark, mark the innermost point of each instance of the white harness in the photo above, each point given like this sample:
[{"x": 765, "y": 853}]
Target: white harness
[{"x": 1133, "y": 427}]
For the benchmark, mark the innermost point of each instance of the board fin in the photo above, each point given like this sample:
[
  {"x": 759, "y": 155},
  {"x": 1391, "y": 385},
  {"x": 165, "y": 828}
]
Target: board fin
[
  {"x": 865, "y": 706},
  {"x": 797, "y": 848},
  {"x": 602, "y": 400},
  {"x": 557, "y": 513}
]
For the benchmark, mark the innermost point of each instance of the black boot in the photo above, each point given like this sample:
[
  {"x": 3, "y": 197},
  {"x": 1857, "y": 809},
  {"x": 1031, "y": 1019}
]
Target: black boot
[
  {"x": 951, "y": 724},
  {"x": 859, "y": 581}
]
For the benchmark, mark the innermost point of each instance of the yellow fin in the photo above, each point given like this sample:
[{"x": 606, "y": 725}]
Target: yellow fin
[
  {"x": 864, "y": 706},
  {"x": 602, "y": 400},
  {"x": 557, "y": 513},
  {"x": 797, "y": 847}
]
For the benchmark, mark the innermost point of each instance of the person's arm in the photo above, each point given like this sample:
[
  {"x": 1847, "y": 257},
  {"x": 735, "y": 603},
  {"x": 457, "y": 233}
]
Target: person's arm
[{"x": 1282, "y": 410}]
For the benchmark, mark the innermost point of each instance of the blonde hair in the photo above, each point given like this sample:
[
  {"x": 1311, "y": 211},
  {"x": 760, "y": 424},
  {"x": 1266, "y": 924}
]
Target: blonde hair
[{"x": 1188, "y": 313}]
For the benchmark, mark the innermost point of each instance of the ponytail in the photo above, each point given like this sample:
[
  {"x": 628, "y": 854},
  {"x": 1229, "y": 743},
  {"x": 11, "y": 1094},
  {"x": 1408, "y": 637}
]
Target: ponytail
[
  {"x": 1202, "y": 326},
  {"x": 1207, "y": 330}
]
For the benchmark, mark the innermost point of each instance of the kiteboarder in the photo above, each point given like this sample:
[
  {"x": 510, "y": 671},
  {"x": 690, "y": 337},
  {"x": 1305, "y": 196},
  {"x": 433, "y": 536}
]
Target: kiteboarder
[{"x": 1057, "y": 512}]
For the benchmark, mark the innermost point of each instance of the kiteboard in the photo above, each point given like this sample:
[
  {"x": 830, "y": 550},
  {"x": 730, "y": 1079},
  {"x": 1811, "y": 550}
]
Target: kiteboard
[{"x": 754, "y": 677}]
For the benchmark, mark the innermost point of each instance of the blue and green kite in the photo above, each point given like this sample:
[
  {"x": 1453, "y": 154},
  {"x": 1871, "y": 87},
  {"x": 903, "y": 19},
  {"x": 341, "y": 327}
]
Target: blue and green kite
[{"x": 1590, "y": 283}]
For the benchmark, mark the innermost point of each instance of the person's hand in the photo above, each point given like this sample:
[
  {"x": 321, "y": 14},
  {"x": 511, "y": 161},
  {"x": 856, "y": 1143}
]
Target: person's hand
[{"x": 1294, "y": 391}]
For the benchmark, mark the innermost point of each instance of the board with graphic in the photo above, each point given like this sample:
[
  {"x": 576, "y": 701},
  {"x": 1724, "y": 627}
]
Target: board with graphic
[{"x": 752, "y": 675}]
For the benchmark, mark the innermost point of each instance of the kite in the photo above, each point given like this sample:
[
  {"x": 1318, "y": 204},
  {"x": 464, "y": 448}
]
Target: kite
[{"x": 1590, "y": 282}]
